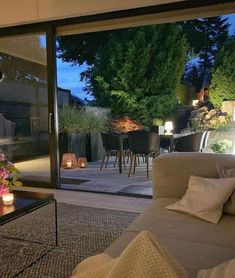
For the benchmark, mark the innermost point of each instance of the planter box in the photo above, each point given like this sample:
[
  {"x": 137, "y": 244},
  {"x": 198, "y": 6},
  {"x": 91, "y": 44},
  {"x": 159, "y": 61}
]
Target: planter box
[
  {"x": 159, "y": 129},
  {"x": 89, "y": 146}
]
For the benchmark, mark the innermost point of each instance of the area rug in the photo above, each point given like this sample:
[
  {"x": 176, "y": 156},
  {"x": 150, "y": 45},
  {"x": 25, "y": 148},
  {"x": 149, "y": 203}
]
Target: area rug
[{"x": 82, "y": 232}]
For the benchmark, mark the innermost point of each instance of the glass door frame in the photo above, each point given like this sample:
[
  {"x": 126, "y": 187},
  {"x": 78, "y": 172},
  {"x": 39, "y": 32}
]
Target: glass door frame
[
  {"x": 53, "y": 132},
  {"x": 50, "y": 27}
]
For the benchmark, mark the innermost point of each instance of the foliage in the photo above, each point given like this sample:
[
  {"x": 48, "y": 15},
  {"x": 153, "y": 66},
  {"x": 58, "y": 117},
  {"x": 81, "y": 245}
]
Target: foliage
[
  {"x": 193, "y": 74},
  {"x": 181, "y": 93},
  {"x": 222, "y": 123},
  {"x": 68, "y": 119},
  {"x": 138, "y": 74},
  {"x": 222, "y": 146},
  {"x": 158, "y": 122},
  {"x": 223, "y": 79},
  {"x": 83, "y": 48},
  {"x": 125, "y": 124},
  {"x": 205, "y": 36},
  {"x": 195, "y": 124},
  {"x": 84, "y": 120},
  {"x": 7, "y": 169}
]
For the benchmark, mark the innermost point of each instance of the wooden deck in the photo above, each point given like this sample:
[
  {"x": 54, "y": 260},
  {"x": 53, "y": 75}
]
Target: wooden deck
[{"x": 91, "y": 179}]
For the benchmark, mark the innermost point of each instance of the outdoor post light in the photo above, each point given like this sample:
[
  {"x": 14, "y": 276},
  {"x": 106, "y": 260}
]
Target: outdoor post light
[{"x": 168, "y": 127}]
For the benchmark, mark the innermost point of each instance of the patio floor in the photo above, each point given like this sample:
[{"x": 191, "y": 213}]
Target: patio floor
[{"x": 91, "y": 179}]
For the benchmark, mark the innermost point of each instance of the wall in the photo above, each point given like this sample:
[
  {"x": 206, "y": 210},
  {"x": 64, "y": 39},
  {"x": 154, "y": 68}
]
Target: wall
[{"x": 16, "y": 12}]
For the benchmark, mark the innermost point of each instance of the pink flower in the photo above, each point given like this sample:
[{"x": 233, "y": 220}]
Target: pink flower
[
  {"x": 10, "y": 164},
  {"x": 2, "y": 157},
  {"x": 4, "y": 173},
  {"x": 4, "y": 191}
]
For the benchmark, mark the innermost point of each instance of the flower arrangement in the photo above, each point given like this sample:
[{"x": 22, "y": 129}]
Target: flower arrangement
[{"x": 8, "y": 179}]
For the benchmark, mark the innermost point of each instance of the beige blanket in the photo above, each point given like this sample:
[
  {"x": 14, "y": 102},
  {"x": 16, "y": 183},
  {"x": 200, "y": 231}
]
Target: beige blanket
[{"x": 142, "y": 258}]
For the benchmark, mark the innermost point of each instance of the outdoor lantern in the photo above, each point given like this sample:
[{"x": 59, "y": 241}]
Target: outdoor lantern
[
  {"x": 69, "y": 161},
  {"x": 168, "y": 127},
  {"x": 7, "y": 199},
  {"x": 195, "y": 102},
  {"x": 82, "y": 162}
]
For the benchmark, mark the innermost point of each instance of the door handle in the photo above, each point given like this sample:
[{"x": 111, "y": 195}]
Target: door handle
[{"x": 50, "y": 117}]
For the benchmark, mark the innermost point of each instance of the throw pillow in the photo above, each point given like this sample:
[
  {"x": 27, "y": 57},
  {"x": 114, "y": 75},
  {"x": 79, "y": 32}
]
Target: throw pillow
[
  {"x": 205, "y": 198},
  {"x": 225, "y": 173},
  {"x": 224, "y": 270},
  {"x": 229, "y": 206},
  {"x": 142, "y": 258}
]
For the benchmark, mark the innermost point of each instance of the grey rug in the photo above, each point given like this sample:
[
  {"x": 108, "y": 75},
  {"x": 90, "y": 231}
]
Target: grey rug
[{"x": 82, "y": 232}]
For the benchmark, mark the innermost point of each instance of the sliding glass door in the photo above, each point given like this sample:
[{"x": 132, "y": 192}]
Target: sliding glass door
[{"x": 26, "y": 121}]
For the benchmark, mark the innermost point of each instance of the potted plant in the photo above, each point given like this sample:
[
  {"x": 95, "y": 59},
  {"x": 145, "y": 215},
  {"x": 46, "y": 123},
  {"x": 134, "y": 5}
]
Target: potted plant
[
  {"x": 8, "y": 177},
  {"x": 80, "y": 130}
]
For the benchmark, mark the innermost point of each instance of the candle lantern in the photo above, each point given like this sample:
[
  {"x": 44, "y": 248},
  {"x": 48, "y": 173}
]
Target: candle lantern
[
  {"x": 7, "y": 199},
  {"x": 69, "y": 161},
  {"x": 82, "y": 162}
]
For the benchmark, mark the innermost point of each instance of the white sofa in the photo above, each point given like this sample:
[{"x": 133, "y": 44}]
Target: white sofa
[{"x": 195, "y": 243}]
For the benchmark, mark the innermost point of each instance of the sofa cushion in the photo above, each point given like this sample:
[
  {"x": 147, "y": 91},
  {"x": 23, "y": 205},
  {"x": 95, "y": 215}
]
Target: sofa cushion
[
  {"x": 157, "y": 219},
  {"x": 196, "y": 202},
  {"x": 195, "y": 244},
  {"x": 171, "y": 172},
  {"x": 229, "y": 207},
  {"x": 224, "y": 270}
]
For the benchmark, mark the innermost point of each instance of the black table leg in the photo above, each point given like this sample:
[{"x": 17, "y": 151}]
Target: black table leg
[{"x": 120, "y": 154}]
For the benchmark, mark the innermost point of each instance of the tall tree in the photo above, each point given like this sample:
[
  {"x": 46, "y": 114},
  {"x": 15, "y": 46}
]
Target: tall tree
[
  {"x": 223, "y": 79},
  {"x": 138, "y": 75},
  {"x": 84, "y": 48},
  {"x": 206, "y": 36}
]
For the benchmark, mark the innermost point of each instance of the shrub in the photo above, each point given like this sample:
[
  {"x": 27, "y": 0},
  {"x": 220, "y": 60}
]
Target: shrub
[
  {"x": 84, "y": 120},
  {"x": 222, "y": 146}
]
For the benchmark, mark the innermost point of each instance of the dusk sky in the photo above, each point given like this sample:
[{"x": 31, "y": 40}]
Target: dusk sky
[{"x": 68, "y": 75}]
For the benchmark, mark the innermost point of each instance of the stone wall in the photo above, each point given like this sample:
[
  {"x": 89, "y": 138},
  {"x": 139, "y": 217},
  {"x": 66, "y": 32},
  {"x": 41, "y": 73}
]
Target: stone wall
[{"x": 229, "y": 107}]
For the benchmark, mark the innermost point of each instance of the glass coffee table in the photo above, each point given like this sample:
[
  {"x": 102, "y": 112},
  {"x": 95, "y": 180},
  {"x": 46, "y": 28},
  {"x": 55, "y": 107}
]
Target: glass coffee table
[{"x": 26, "y": 203}]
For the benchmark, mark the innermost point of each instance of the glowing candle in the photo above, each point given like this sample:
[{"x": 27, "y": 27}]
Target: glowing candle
[
  {"x": 82, "y": 162},
  {"x": 69, "y": 164},
  {"x": 7, "y": 199}
]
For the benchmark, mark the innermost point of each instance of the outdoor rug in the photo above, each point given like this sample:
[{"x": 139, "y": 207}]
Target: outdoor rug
[{"x": 82, "y": 232}]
